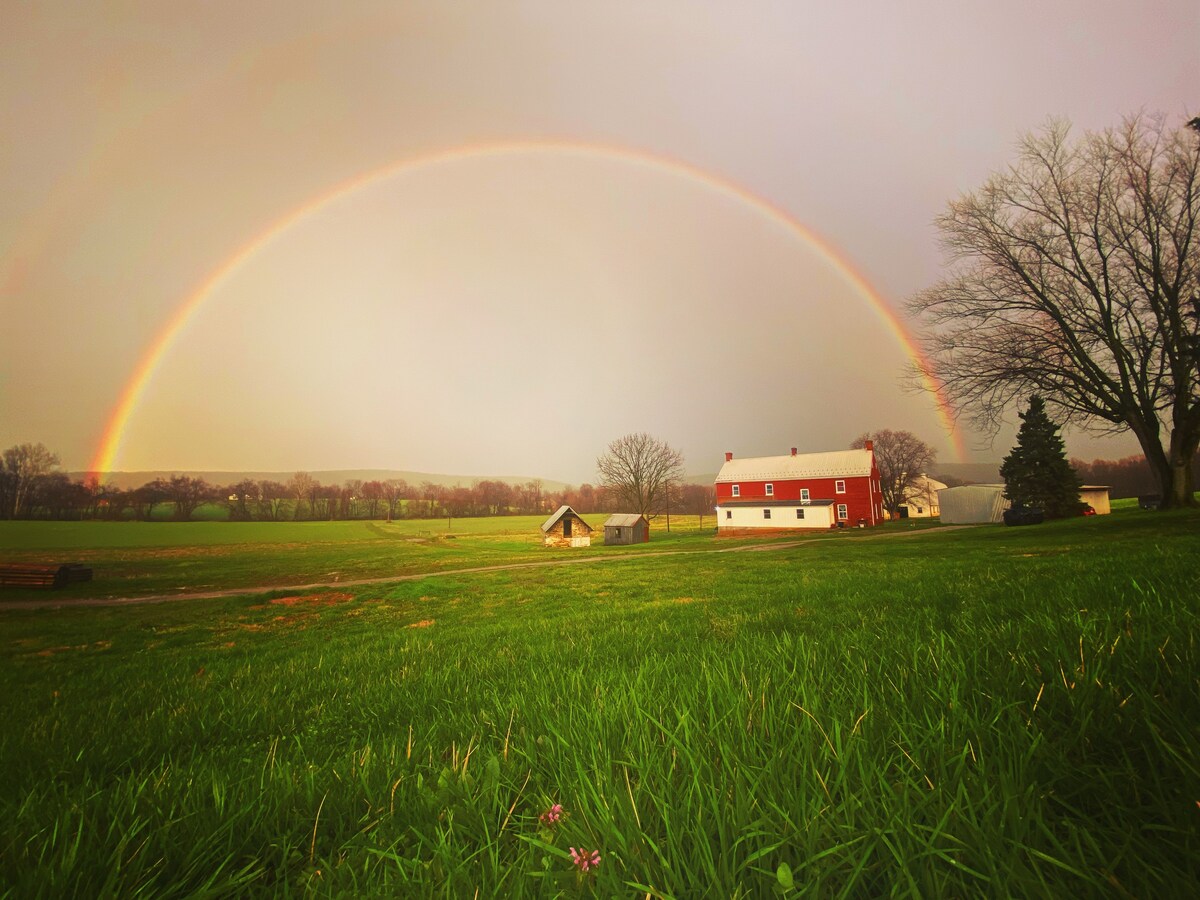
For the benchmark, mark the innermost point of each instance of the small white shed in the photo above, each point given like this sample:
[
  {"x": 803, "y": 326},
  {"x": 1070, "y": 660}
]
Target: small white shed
[
  {"x": 1096, "y": 496},
  {"x": 972, "y": 504}
]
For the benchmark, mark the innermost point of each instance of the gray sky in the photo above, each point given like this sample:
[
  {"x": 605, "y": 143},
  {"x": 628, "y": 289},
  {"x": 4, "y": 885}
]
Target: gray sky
[{"x": 510, "y": 312}]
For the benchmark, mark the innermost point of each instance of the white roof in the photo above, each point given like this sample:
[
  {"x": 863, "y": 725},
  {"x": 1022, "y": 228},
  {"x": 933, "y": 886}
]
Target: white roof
[
  {"x": 925, "y": 483},
  {"x": 834, "y": 464}
]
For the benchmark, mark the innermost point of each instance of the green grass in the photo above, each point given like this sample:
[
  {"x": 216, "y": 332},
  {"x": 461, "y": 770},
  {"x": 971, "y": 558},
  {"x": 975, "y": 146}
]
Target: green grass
[
  {"x": 132, "y": 559},
  {"x": 983, "y": 712}
]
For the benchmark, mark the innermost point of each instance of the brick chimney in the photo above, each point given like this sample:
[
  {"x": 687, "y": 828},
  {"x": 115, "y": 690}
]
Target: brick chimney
[
  {"x": 870, "y": 445},
  {"x": 793, "y": 451},
  {"x": 728, "y": 456}
]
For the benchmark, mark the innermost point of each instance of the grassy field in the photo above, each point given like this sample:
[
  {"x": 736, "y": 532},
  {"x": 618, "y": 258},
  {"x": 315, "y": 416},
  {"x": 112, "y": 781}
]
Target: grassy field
[
  {"x": 986, "y": 711},
  {"x": 132, "y": 559}
]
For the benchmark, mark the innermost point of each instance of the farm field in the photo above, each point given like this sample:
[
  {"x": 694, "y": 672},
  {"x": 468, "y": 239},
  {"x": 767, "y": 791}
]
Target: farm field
[
  {"x": 132, "y": 559},
  {"x": 985, "y": 711}
]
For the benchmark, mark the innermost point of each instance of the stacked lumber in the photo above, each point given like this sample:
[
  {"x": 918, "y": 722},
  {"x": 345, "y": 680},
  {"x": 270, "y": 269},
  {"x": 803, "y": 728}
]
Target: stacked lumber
[{"x": 43, "y": 576}]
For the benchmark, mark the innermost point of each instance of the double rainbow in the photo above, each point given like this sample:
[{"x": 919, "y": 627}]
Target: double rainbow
[{"x": 109, "y": 447}]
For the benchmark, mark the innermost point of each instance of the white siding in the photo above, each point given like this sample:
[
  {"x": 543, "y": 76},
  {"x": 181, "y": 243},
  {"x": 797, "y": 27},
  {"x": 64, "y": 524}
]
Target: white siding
[{"x": 818, "y": 517}]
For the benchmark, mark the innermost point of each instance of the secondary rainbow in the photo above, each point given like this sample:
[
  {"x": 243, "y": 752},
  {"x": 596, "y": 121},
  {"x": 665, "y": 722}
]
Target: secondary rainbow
[{"x": 109, "y": 446}]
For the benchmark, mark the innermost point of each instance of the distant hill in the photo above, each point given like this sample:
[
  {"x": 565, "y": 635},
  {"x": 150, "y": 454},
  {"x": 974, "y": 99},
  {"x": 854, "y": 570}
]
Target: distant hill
[{"x": 127, "y": 480}]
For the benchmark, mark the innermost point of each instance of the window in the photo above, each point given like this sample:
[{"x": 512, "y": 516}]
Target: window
[
  {"x": 799, "y": 514},
  {"x": 839, "y": 486},
  {"x": 770, "y": 490},
  {"x": 920, "y": 510},
  {"x": 737, "y": 490},
  {"x": 842, "y": 513},
  {"x": 766, "y": 514},
  {"x": 803, "y": 495},
  {"x": 729, "y": 514}
]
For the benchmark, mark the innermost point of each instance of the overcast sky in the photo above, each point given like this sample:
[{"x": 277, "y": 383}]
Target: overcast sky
[{"x": 603, "y": 268}]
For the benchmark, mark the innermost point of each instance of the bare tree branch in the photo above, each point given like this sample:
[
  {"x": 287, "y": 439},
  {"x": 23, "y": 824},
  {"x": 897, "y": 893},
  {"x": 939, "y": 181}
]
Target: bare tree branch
[
  {"x": 640, "y": 470},
  {"x": 1074, "y": 275}
]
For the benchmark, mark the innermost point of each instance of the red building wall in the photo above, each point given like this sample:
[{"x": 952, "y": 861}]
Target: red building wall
[{"x": 860, "y": 495}]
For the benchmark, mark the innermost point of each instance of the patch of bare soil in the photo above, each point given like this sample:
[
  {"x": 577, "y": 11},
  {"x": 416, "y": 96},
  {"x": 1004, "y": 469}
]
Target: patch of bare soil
[
  {"x": 330, "y": 599},
  {"x": 181, "y": 552},
  {"x": 424, "y": 623},
  {"x": 278, "y": 622},
  {"x": 306, "y": 600}
]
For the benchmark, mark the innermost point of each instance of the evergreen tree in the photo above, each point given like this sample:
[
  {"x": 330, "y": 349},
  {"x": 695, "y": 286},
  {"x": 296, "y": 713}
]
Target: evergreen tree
[{"x": 1036, "y": 472}]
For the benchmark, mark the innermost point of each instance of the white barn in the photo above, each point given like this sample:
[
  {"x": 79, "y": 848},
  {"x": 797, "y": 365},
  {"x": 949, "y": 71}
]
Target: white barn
[{"x": 921, "y": 499}]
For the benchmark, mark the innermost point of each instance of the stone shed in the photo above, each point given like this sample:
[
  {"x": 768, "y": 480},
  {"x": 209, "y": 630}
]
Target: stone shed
[
  {"x": 566, "y": 529},
  {"x": 626, "y": 528}
]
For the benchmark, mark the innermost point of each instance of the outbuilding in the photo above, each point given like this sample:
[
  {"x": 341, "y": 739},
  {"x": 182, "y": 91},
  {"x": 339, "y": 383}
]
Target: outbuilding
[
  {"x": 1096, "y": 496},
  {"x": 921, "y": 499},
  {"x": 566, "y": 529},
  {"x": 626, "y": 528},
  {"x": 972, "y": 504}
]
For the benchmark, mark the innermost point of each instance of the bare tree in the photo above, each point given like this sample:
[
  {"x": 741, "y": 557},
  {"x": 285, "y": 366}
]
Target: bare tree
[
  {"x": 372, "y": 494},
  {"x": 143, "y": 499},
  {"x": 111, "y": 502},
  {"x": 640, "y": 470},
  {"x": 187, "y": 493},
  {"x": 301, "y": 486},
  {"x": 901, "y": 458},
  {"x": 270, "y": 497},
  {"x": 394, "y": 490},
  {"x": 1077, "y": 277},
  {"x": 351, "y": 495},
  {"x": 529, "y": 496},
  {"x": 697, "y": 500},
  {"x": 238, "y": 497},
  {"x": 25, "y": 465}
]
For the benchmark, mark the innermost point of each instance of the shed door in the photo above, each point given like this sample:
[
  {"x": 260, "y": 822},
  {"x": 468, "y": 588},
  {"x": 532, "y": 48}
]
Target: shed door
[{"x": 567, "y": 526}]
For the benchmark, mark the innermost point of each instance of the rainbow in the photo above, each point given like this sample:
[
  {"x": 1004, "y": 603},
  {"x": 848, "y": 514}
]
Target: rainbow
[{"x": 108, "y": 449}]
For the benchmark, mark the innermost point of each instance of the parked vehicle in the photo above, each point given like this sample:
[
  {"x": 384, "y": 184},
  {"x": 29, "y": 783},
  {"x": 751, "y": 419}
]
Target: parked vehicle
[{"x": 1024, "y": 515}]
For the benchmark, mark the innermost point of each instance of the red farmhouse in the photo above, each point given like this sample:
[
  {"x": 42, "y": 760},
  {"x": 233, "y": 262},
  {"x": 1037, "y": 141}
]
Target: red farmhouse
[{"x": 806, "y": 490}]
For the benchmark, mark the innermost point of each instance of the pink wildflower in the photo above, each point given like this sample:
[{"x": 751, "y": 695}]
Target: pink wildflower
[
  {"x": 584, "y": 860},
  {"x": 552, "y": 815}
]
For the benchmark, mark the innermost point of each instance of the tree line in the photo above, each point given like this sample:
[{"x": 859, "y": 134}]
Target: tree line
[{"x": 32, "y": 487}]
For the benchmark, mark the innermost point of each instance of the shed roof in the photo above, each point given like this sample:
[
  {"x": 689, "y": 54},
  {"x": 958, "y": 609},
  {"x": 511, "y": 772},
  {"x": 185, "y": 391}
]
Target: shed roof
[
  {"x": 558, "y": 514},
  {"x": 833, "y": 464},
  {"x": 621, "y": 520}
]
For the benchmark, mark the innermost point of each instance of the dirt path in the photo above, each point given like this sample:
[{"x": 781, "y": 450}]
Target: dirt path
[{"x": 66, "y": 603}]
